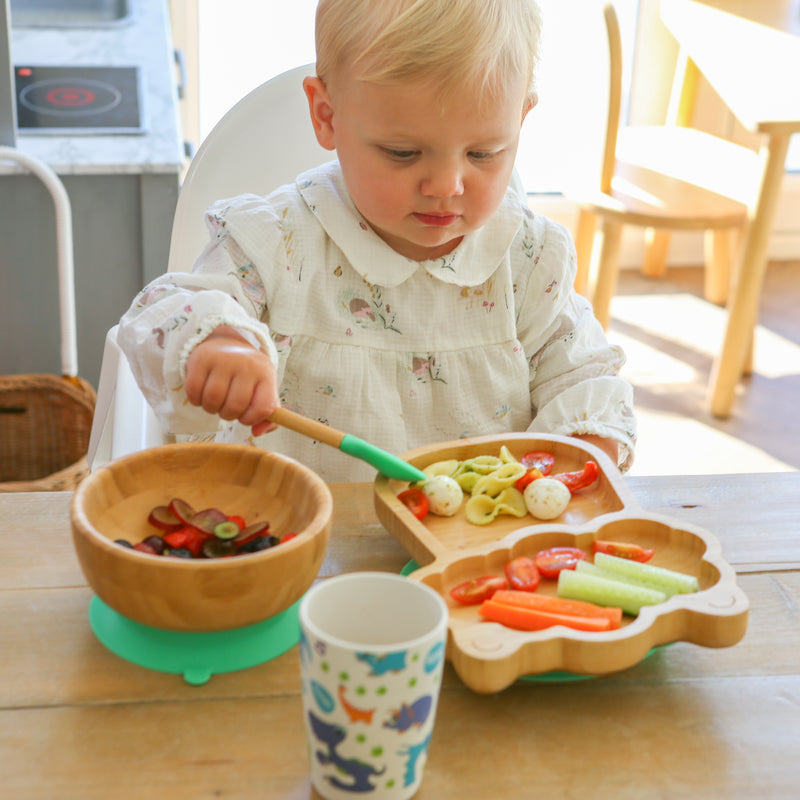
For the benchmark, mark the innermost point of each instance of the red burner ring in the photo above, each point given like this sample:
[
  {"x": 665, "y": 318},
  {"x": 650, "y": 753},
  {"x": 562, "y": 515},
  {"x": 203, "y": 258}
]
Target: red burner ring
[{"x": 70, "y": 96}]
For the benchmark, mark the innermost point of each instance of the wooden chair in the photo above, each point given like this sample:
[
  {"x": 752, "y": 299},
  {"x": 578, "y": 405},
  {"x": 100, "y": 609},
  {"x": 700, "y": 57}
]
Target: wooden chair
[{"x": 662, "y": 178}]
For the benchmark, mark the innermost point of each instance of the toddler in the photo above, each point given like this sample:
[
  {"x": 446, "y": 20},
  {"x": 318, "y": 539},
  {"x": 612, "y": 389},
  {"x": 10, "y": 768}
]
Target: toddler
[{"x": 405, "y": 292}]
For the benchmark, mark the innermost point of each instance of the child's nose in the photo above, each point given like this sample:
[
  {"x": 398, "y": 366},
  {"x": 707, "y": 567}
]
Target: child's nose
[{"x": 443, "y": 181}]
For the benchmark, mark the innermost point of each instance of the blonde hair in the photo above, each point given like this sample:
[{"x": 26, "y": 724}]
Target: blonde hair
[{"x": 475, "y": 43}]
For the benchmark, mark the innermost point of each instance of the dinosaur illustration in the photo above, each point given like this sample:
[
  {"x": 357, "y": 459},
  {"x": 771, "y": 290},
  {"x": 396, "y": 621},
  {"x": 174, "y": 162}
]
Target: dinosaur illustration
[
  {"x": 355, "y": 714},
  {"x": 359, "y": 772},
  {"x": 379, "y": 665},
  {"x": 414, "y": 752},
  {"x": 408, "y": 715}
]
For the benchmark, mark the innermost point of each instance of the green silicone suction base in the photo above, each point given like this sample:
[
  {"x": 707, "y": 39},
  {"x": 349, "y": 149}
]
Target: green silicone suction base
[{"x": 196, "y": 656}]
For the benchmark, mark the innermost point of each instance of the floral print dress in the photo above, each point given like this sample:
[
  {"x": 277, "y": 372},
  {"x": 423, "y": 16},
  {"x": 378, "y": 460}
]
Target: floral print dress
[{"x": 490, "y": 339}]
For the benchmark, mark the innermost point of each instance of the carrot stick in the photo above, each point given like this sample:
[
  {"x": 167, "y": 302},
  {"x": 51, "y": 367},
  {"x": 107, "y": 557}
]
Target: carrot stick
[
  {"x": 558, "y": 605},
  {"x": 529, "y": 619}
]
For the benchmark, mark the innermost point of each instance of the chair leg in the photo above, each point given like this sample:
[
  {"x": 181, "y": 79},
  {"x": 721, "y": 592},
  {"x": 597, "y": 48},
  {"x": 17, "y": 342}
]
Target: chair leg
[
  {"x": 655, "y": 254},
  {"x": 718, "y": 255},
  {"x": 605, "y": 269},
  {"x": 584, "y": 239}
]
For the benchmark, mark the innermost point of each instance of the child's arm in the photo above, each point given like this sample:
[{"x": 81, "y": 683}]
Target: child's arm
[
  {"x": 609, "y": 446},
  {"x": 226, "y": 375}
]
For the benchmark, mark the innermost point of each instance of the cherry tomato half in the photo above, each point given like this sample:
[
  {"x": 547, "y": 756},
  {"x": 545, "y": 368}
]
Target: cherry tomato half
[
  {"x": 551, "y": 561},
  {"x": 416, "y": 501},
  {"x": 521, "y": 574},
  {"x": 475, "y": 591},
  {"x": 623, "y": 550},
  {"x": 539, "y": 459}
]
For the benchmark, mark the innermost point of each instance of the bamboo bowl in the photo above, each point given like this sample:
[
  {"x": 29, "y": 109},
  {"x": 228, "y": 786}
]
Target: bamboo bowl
[
  {"x": 489, "y": 657},
  {"x": 201, "y": 594}
]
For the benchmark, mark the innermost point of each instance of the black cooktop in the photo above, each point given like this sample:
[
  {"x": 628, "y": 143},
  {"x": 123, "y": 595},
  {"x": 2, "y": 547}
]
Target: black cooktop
[{"x": 76, "y": 100}]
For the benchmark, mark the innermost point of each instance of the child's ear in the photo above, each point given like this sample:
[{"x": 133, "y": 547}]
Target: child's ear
[{"x": 319, "y": 104}]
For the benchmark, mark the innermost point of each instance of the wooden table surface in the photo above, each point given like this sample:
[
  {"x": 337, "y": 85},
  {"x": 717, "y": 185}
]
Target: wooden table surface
[
  {"x": 750, "y": 54},
  {"x": 688, "y": 722}
]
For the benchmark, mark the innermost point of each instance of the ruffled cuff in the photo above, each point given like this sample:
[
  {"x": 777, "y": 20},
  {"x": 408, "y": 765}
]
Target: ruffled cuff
[{"x": 600, "y": 407}]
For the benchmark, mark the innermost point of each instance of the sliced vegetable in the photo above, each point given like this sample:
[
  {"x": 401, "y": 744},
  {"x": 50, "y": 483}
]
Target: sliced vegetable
[
  {"x": 530, "y": 619},
  {"x": 559, "y": 605},
  {"x": 592, "y": 569},
  {"x": 678, "y": 581},
  {"x": 415, "y": 501},
  {"x": 247, "y": 534},
  {"x": 553, "y": 560},
  {"x": 547, "y": 498},
  {"x": 575, "y": 481},
  {"x": 190, "y": 538},
  {"x": 530, "y": 476},
  {"x": 623, "y": 550},
  {"x": 521, "y": 574},
  {"x": 539, "y": 459},
  {"x": 476, "y": 590},
  {"x": 580, "y": 586}
]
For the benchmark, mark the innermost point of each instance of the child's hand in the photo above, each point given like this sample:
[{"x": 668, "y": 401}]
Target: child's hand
[
  {"x": 226, "y": 375},
  {"x": 609, "y": 446}
]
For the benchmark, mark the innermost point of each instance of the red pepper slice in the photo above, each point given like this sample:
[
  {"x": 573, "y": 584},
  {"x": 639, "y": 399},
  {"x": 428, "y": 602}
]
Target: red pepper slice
[
  {"x": 522, "y": 574},
  {"x": 475, "y": 591},
  {"x": 539, "y": 459},
  {"x": 190, "y": 538},
  {"x": 551, "y": 561},
  {"x": 623, "y": 550},
  {"x": 531, "y": 475},
  {"x": 574, "y": 481}
]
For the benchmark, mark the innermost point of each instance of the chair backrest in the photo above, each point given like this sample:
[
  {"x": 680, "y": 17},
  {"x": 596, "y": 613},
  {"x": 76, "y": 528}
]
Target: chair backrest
[
  {"x": 264, "y": 141},
  {"x": 614, "y": 96}
]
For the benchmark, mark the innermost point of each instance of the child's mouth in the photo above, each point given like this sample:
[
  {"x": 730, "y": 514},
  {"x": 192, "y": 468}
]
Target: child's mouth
[{"x": 437, "y": 220}]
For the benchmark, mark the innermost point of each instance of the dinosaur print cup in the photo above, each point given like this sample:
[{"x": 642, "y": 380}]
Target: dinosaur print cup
[{"x": 372, "y": 653}]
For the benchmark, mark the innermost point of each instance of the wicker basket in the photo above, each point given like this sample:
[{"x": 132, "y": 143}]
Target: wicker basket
[{"x": 45, "y": 420}]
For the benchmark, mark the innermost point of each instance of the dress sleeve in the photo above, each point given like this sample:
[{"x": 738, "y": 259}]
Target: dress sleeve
[
  {"x": 177, "y": 311},
  {"x": 574, "y": 371}
]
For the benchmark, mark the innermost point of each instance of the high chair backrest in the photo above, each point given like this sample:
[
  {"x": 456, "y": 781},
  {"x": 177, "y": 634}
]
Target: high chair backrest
[{"x": 264, "y": 141}]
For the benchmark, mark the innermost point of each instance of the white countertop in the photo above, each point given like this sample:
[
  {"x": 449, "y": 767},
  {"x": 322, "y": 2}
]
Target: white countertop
[{"x": 144, "y": 42}]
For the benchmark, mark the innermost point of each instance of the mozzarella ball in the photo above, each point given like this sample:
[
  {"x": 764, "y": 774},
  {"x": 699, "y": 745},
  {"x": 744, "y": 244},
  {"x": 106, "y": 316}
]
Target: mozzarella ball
[
  {"x": 444, "y": 495},
  {"x": 546, "y": 498}
]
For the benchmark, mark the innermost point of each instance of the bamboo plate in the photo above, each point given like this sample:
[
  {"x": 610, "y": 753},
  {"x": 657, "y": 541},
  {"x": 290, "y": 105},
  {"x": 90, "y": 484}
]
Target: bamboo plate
[{"x": 489, "y": 657}]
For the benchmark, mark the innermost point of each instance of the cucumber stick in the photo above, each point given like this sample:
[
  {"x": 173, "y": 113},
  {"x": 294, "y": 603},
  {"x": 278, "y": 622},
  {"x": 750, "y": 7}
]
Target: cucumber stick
[
  {"x": 667, "y": 580},
  {"x": 588, "y": 568},
  {"x": 583, "y": 586}
]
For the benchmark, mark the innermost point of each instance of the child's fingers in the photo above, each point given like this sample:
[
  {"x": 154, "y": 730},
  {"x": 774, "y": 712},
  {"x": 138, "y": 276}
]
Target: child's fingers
[{"x": 263, "y": 402}]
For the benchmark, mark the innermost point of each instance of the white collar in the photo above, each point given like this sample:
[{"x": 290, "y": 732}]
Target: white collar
[{"x": 472, "y": 263}]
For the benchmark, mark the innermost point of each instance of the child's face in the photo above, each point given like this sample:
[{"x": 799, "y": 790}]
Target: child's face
[{"x": 422, "y": 179}]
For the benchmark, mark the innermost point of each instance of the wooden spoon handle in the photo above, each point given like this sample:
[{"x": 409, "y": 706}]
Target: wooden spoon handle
[{"x": 308, "y": 427}]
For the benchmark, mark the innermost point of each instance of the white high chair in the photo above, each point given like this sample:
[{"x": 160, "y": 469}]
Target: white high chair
[{"x": 264, "y": 141}]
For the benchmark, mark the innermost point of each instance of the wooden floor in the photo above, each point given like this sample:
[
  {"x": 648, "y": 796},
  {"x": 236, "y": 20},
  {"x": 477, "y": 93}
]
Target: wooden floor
[{"x": 670, "y": 333}]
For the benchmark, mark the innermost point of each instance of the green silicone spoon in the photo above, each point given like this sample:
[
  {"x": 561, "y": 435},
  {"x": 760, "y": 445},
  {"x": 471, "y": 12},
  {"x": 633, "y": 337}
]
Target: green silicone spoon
[{"x": 387, "y": 464}]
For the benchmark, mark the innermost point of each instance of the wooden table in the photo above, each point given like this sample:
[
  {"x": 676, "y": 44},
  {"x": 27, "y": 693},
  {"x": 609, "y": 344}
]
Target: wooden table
[
  {"x": 688, "y": 722},
  {"x": 750, "y": 54}
]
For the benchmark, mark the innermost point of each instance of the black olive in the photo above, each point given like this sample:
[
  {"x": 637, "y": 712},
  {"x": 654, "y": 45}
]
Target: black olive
[
  {"x": 179, "y": 552},
  {"x": 260, "y": 543},
  {"x": 124, "y": 543}
]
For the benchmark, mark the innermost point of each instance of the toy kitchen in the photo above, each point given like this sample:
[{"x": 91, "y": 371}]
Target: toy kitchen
[{"x": 90, "y": 88}]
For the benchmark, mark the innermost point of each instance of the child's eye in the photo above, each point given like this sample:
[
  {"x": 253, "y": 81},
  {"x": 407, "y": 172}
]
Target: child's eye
[
  {"x": 400, "y": 155},
  {"x": 480, "y": 155}
]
